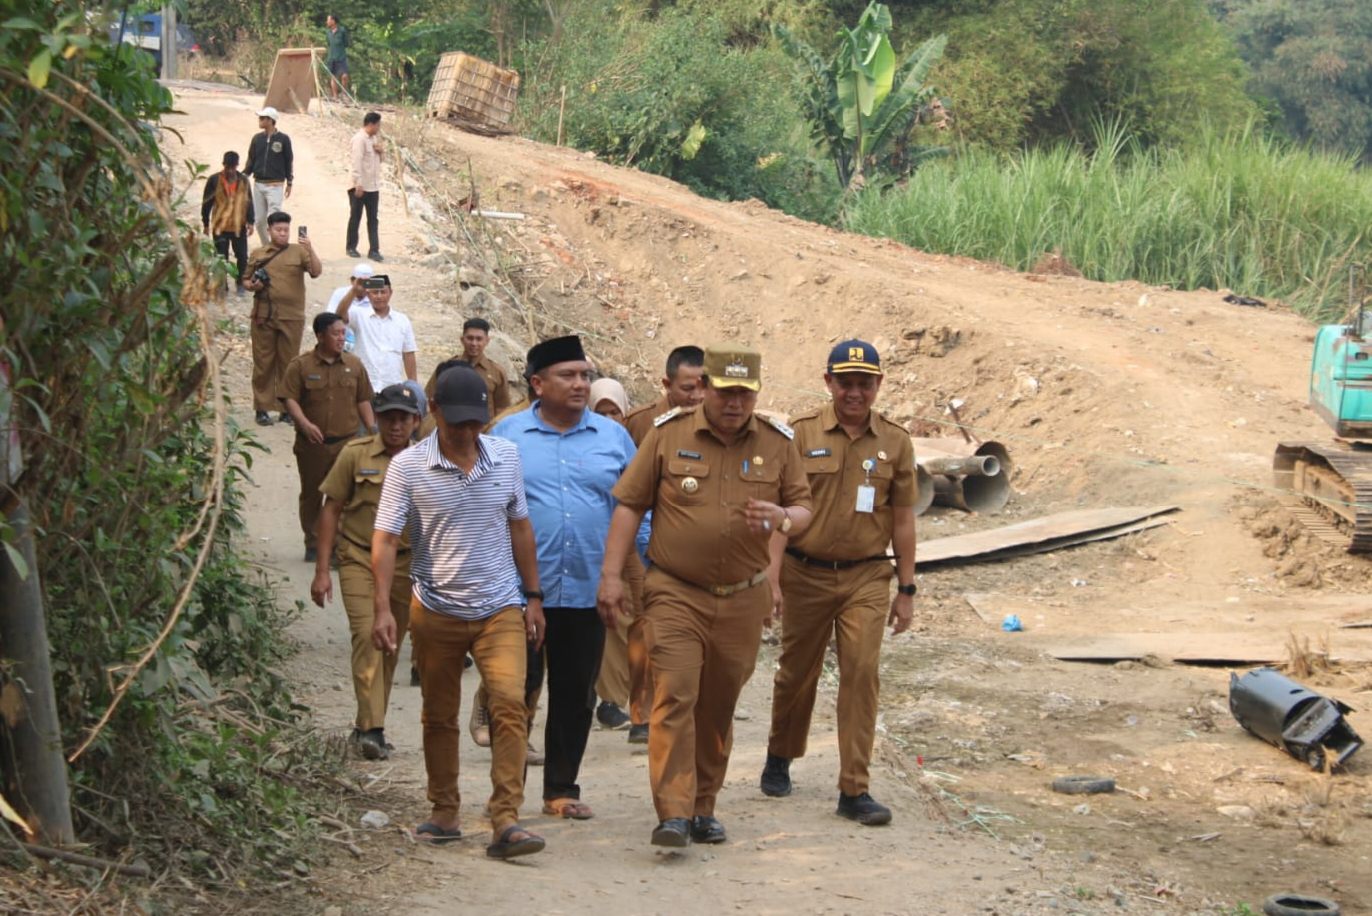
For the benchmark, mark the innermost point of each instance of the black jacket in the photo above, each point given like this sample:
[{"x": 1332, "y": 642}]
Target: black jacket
[{"x": 270, "y": 161}]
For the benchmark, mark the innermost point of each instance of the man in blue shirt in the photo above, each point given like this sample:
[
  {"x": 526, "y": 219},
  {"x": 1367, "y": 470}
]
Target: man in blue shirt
[{"x": 572, "y": 458}]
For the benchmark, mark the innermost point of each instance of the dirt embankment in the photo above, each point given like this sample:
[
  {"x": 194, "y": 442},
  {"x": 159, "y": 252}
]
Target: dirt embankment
[{"x": 1109, "y": 394}]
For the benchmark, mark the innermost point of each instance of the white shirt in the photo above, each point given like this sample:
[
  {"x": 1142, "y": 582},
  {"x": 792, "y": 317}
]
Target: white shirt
[
  {"x": 381, "y": 343},
  {"x": 338, "y": 295}
]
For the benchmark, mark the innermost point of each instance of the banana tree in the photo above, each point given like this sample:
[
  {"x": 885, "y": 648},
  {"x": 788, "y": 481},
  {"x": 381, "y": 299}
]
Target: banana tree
[{"x": 859, "y": 102}]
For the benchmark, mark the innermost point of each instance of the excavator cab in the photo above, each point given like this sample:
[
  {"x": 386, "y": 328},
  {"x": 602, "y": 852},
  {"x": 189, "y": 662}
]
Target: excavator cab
[{"x": 1341, "y": 378}]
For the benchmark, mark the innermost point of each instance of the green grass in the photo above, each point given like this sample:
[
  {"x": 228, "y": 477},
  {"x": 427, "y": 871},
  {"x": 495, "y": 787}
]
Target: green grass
[{"x": 1255, "y": 215}]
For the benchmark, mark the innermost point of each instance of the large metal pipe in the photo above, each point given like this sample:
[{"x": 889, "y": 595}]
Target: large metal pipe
[{"x": 983, "y": 485}]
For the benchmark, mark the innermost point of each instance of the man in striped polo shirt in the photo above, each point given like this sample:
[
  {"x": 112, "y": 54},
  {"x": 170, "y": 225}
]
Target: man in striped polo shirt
[{"x": 473, "y": 566}]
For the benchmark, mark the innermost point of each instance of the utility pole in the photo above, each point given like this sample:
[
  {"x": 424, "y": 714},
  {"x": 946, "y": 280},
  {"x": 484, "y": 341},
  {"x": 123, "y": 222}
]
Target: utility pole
[
  {"x": 169, "y": 48},
  {"x": 34, "y": 773}
]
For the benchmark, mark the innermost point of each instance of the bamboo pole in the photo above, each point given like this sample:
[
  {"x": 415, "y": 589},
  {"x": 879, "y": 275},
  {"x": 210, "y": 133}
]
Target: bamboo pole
[{"x": 561, "y": 107}]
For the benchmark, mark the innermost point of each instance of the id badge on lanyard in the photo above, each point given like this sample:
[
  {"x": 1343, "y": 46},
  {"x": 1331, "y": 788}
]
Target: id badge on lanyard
[{"x": 866, "y": 493}]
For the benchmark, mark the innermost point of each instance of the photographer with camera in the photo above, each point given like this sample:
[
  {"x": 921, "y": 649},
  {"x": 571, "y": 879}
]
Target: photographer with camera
[
  {"x": 276, "y": 278},
  {"x": 384, "y": 337}
]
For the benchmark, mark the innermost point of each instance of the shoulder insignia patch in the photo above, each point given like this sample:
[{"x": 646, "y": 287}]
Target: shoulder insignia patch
[
  {"x": 669, "y": 415},
  {"x": 779, "y": 426}
]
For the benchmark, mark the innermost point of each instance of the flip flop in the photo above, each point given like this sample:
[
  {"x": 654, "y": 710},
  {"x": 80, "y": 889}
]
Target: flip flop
[
  {"x": 429, "y": 832},
  {"x": 506, "y": 847},
  {"x": 571, "y": 808}
]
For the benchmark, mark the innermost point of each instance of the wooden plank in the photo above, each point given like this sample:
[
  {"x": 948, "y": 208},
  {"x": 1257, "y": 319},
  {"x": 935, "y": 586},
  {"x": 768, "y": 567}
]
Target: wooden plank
[
  {"x": 1040, "y": 533},
  {"x": 293, "y": 80},
  {"x": 1221, "y": 648}
]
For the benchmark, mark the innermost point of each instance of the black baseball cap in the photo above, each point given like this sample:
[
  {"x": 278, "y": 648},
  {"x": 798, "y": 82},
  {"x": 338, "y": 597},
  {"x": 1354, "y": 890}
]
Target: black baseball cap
[
  {"x": 461, "y": 396},
  {"x": 396, "y": 397},
  {"x": 854, "y": 356}
]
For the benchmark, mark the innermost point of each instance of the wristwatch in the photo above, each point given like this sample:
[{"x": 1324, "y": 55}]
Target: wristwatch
[
  {"x": 785, "y": 525},
  {"x": 534, "y": 593},
  {"x": 910, "y": 589}
]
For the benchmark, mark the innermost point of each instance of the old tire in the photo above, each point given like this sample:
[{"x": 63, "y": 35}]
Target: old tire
[
  {"x": 1083, "y": 785},
  {"x": 1299, "y": 905}
]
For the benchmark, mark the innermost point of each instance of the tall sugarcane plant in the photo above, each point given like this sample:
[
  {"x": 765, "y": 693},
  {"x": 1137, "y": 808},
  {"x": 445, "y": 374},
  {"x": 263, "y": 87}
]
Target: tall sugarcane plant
[{"x": 859, "y": 102}]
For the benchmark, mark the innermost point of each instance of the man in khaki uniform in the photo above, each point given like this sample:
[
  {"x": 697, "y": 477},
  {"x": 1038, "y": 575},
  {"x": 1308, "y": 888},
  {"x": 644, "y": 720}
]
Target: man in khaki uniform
[
  {"x": 681, "y": 387},
  {"x": 278, "y": 310},
  {"x": 719, "y": 480},
  {"x": 835, "y": 577},
  {"x": 326, "y": 393},
  {"x": 352, "y": 491}
]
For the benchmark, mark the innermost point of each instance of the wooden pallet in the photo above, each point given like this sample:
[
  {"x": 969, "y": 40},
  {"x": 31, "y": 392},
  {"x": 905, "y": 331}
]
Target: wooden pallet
[{"x": 473, "y": 92}]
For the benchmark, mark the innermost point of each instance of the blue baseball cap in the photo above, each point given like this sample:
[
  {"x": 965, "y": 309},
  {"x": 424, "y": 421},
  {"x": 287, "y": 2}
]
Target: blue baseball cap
[{"x": 854, "y": 356}]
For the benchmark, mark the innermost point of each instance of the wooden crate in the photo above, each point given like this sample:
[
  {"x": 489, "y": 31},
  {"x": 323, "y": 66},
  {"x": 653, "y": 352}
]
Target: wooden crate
[
  {"x": 474, "y": 92},
  {"x": 293, "y": 79}
]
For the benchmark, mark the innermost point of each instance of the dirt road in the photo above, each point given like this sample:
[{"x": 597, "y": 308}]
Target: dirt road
[{"x": 1110, "y": 394}]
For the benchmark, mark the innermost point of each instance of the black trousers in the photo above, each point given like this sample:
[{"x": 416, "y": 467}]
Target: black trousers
[
  {"x": 572, "y": 649},
  {"x": 369, "y": 200},
  {"x": 224, "y": 240}
]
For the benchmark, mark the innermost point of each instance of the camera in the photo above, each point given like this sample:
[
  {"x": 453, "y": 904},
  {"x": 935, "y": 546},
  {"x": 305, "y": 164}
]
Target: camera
[{"x": 261, "y": 276}]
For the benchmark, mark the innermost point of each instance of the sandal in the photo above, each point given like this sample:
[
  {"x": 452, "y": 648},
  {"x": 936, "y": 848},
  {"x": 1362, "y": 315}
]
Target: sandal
[
  {"x": 514, "y": 841},
  {"x": 571, "y": 808},
  {"x": 429, "y": 832}
]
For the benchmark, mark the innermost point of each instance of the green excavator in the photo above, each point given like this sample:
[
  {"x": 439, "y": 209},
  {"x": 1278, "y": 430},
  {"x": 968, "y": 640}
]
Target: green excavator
[{"x": 1334, "y": 478}]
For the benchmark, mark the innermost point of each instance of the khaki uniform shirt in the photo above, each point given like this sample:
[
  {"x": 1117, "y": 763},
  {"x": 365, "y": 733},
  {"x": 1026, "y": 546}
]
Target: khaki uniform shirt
[
  {"x": 284, "y": 299},
  {"x": 640, "y": 419},
  {"x": 328, "y": 392},
  {"x": 698, "y": 488},
  {"x": 833, "y": 463},
  {"x": 355, "y": 481},
  {"x": 494, "y": 377}
]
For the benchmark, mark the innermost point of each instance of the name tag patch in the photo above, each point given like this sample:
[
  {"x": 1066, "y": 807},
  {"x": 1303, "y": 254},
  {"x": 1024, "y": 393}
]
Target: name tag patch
[
  {"x": 369, "y": 472},
  {"x": 685, "y": 453},
  {"x": 314, "y": 378},
  {"x": 818, "y": 453}
]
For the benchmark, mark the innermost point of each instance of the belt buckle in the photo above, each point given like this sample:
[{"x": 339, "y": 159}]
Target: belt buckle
[{"x": 721, "y": 591}]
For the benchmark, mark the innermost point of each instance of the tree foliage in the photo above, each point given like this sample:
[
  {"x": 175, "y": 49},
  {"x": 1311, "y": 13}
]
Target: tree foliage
[
  {"x": 105, "y": 340},
  {"x": 1313, "y": 60},
  {"x": 858, "y": 102}
]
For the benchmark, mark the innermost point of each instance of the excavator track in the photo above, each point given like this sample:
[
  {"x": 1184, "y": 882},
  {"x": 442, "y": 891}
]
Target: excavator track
[{"x": 1333, "y": 478}]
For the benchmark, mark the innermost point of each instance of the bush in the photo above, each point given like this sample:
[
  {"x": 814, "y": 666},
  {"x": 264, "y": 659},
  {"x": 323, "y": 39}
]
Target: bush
[
  {"x": 1255, "y": 215},
  {"x": 670, "y": 95},
  {"x": 104, "y": 338}
]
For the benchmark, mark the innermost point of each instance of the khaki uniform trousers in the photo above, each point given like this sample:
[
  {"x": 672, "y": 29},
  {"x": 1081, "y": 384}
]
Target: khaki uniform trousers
[
  {"x": 624, "y": 664},
  {"x": 850, "y": 605},
  {"x": 275, "y": 343},
  {"x": 702, "y": 650},
  {"x": 313, "y": 463},
  {"x": 373, "y": 670},
  {"x": 497, "y": 644}
]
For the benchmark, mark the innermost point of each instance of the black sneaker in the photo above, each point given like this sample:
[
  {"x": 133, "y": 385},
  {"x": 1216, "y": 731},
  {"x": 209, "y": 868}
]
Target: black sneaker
[
  {"x": 375, "y": 256},
  {"x": 776, "y": 777},
  {"x": 352, "y": 253},
  {"x": 263, "y": 418},
  {"x": 864, "y": 809},
  {"x": 638, "y": 734},
  {"x": 284, "y": 417},
  {"x": 371, "y": 745},
  {"x": 706, "y": 829},
  {"x": 611, "y": 716},
  {"x": 673, "y": 832}
]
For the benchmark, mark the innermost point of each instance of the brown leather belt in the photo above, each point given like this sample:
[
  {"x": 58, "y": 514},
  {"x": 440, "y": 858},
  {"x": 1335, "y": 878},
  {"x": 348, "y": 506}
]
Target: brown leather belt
[
  {"x": 724, "y": 591},
  {"x": 719, "y": 591},
  {"x": 834, "y": 564}
]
